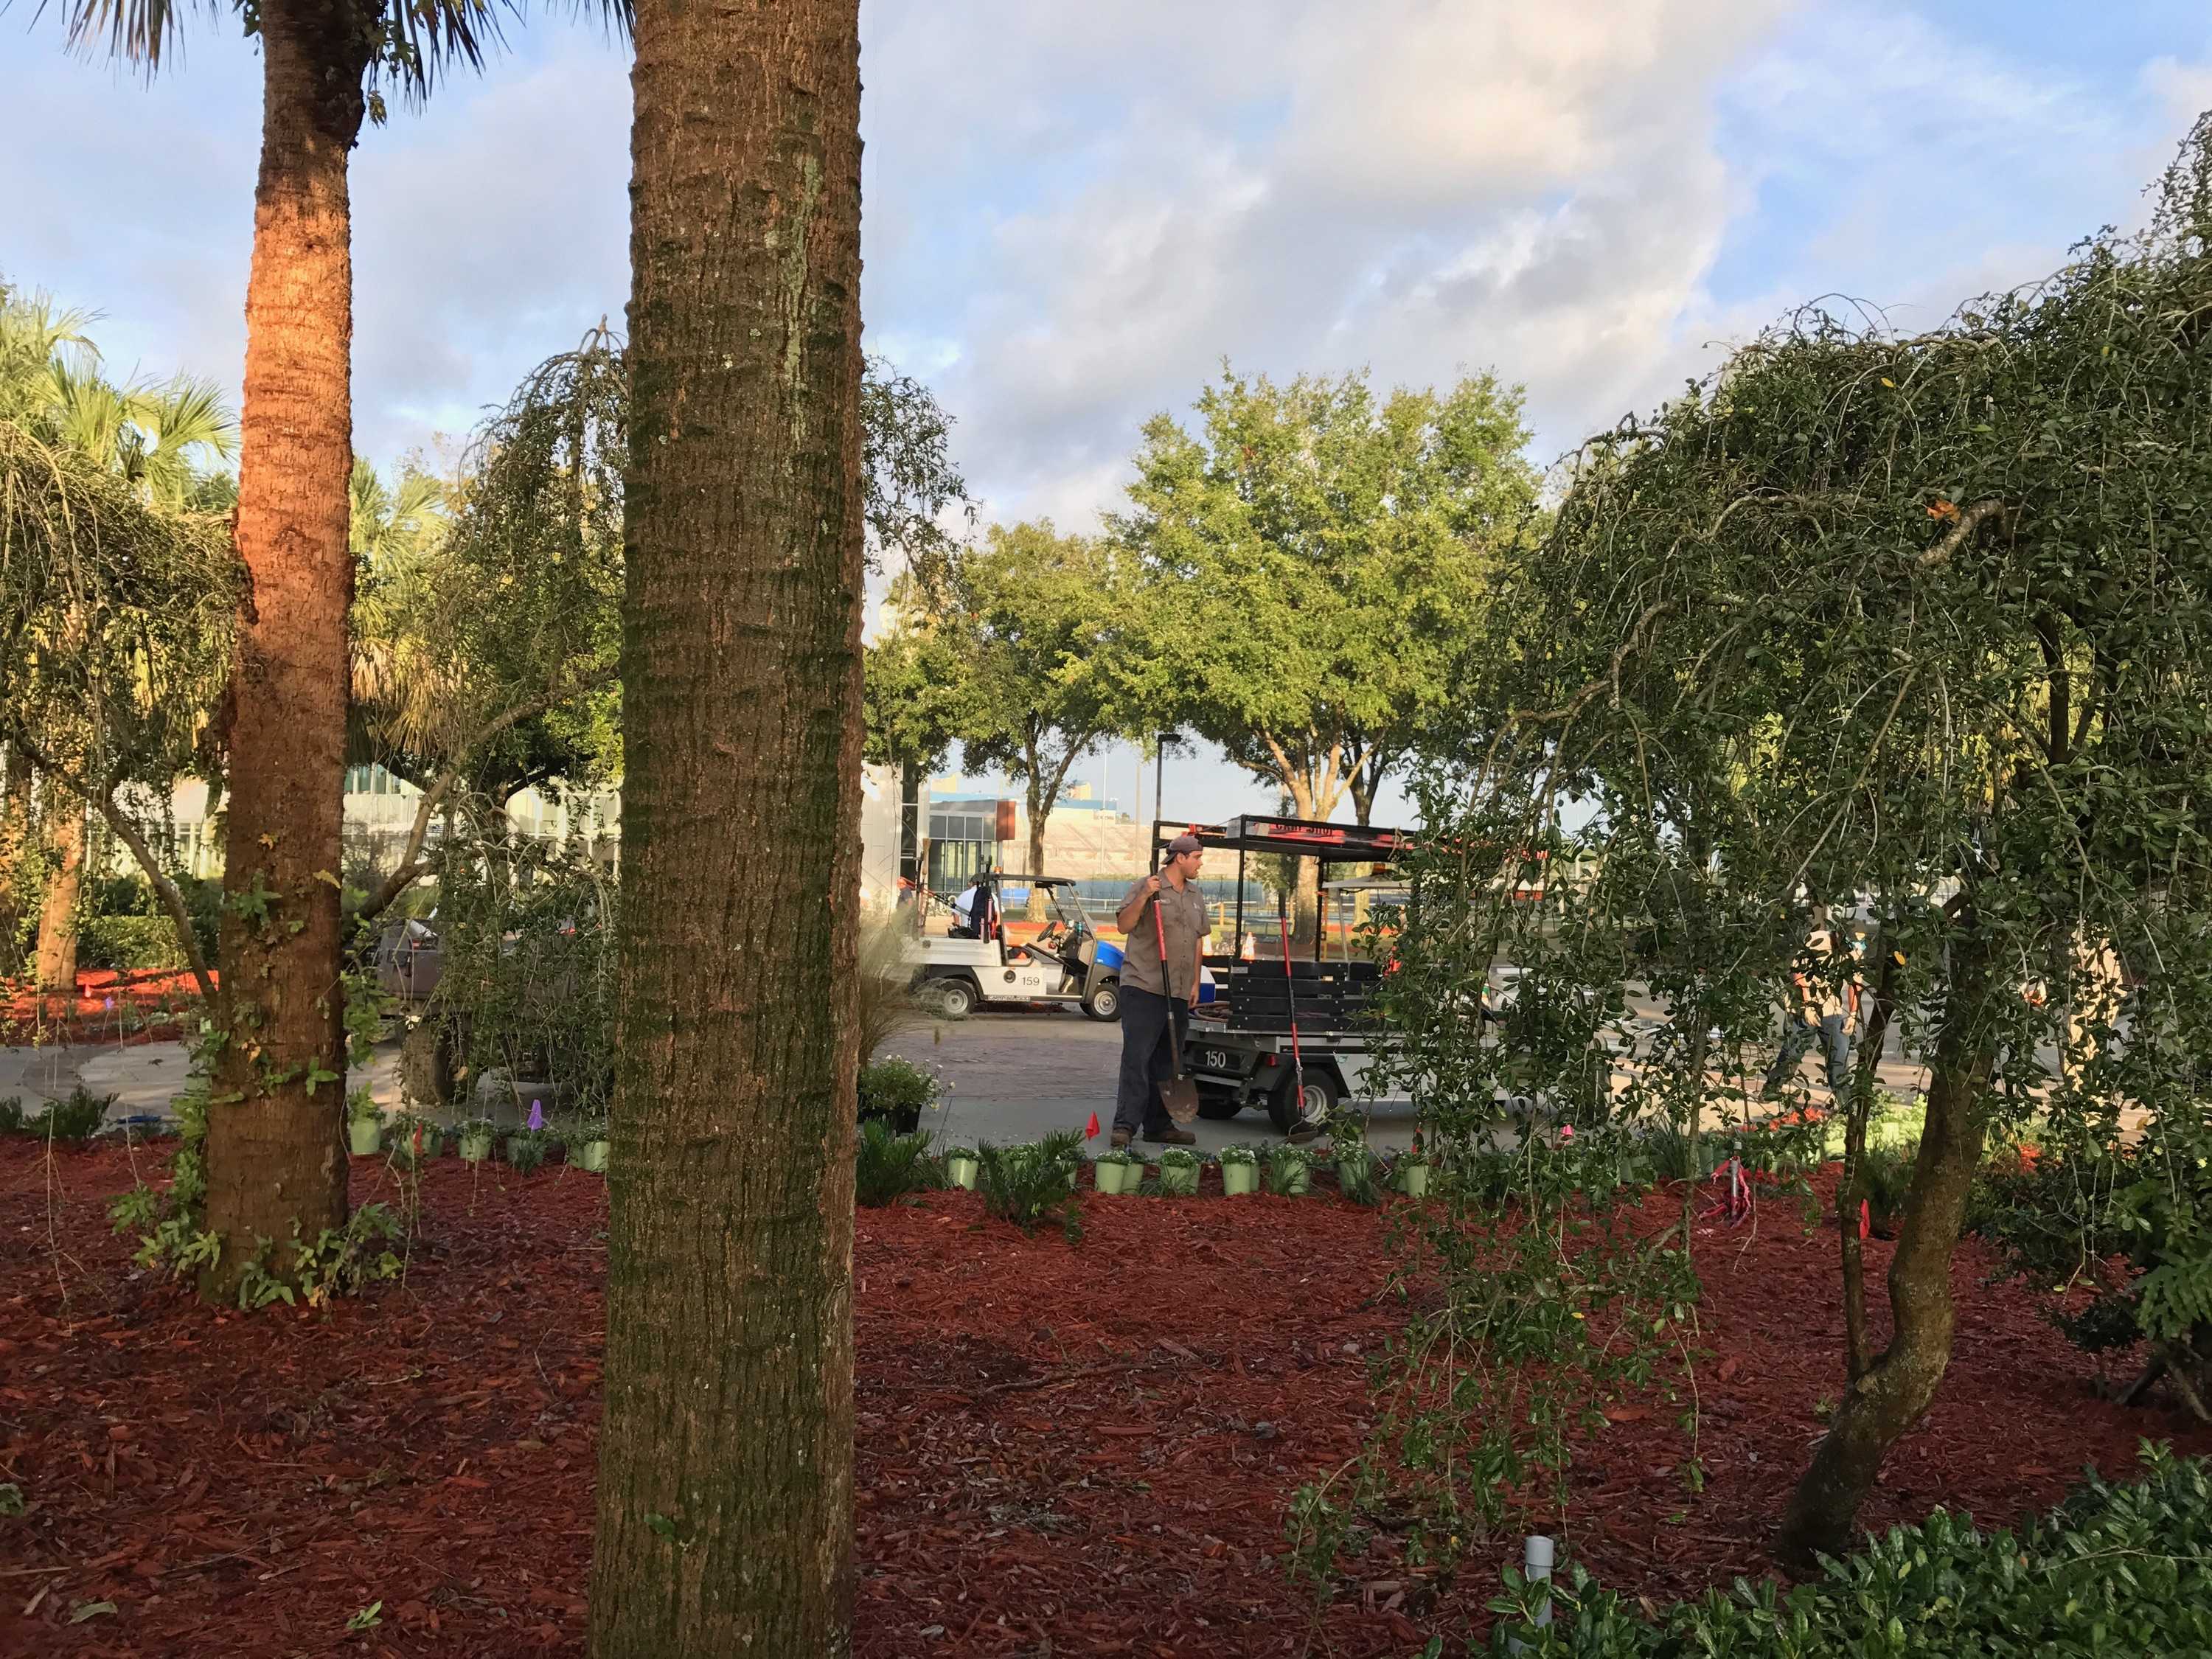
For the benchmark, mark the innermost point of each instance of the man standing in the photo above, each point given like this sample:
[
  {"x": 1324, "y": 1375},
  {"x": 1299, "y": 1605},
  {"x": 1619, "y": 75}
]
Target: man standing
[
  {"x": 1155, "y": 994},
  {"x": 1827, "y": 1004}
]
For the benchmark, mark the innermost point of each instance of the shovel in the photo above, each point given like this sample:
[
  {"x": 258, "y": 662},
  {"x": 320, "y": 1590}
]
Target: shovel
[{"x": 1180, "y": 1093}]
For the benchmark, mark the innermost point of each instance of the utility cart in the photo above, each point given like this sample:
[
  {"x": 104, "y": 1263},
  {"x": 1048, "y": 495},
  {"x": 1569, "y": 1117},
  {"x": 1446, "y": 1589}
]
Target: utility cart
[
  {"x": 960, "y": 963},
  {"x": 1293, "y": 1035}
]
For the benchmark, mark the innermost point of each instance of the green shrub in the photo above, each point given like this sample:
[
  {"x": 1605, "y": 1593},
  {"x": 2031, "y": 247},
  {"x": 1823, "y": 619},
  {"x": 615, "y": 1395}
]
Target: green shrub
[
  {"x": 75, "y": 1120},
  {"x": 2115, "y": 1569},
  {"x": 1024, "y": 1184},
  {"x": 527, "y": 1149},
  {"x": 123, "y": 925},
  {"x": 897, "y": 1090},
  {"x": 129, "y": 943},
  {"x": 887, "y": 1165}
]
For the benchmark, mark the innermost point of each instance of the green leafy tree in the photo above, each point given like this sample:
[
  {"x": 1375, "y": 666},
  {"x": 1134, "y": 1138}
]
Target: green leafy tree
[
  {"x": 1920, "y": 627},
  {"x": 1034, "y": 627},
  {"x": 1311, "y": 561}
]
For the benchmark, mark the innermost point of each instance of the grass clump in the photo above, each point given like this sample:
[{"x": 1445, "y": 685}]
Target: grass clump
[
  {"x": 888, "y": 1165},
  {"x": 1026, "y": 1184}
]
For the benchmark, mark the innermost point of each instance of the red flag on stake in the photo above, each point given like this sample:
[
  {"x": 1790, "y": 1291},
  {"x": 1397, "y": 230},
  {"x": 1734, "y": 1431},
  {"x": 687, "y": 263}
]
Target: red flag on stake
[
  {"x": 1092, "y": 1133},
  {"x": 1866, "y": 1219}
]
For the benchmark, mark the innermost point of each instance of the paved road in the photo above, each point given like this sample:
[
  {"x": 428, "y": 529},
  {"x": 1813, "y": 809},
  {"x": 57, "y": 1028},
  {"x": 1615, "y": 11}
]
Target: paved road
[
  {"x": 1008, "y": 1077},
  {"x": 1015, "y": 1076}
]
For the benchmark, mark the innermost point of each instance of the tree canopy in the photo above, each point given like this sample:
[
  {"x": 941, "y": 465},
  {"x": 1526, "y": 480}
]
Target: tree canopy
[
  {"x": 1920, "y": 627},
  {"x": 1309, "y": 560}
]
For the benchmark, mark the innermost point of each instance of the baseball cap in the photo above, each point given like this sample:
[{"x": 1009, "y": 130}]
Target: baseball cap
[{"x": 1183, "y": 844}]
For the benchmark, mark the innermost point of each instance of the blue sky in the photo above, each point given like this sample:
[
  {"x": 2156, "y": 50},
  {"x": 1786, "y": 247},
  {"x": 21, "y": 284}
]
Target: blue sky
[{"x": 1071, "y": 214}]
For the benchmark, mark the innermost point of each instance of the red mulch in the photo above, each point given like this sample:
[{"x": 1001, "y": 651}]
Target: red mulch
[
  {"x": 129, "y": 1007},
  {"x": 1092, "y": 1445}
]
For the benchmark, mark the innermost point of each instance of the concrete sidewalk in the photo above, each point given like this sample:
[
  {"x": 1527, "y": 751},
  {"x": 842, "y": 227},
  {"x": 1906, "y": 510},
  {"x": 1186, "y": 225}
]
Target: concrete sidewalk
[{"x": 145, "y": 1078}]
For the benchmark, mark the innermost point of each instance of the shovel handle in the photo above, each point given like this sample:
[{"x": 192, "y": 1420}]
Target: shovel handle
[{"x": 1167, "y": 984}]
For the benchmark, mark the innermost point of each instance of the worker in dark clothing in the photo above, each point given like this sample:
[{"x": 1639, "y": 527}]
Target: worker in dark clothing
[{"x": 1155, "y": 994}]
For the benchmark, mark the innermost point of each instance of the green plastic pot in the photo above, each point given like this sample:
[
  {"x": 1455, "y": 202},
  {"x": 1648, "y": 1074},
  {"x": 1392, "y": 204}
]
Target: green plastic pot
[
  {"x": 364, "y": 1135},
  {"x": 1238, "y": 1179},
  {"x": 960, "y": 1170},
  {"x": 476, "y": 1145},
  {"x": 592, "y": 1157},
  {"x": 1115, "y": 1177},
  {"x": 1179, "y": 1181},
  {"x": 1414, "y": 1181},
  {"x": 1301, "y": 1181},
  {"x": 1350, "y": 1166}
]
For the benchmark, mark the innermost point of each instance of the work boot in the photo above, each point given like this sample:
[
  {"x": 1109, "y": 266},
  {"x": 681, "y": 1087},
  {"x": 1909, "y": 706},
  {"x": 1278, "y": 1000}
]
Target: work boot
[
  {"x": 1171, "y": 1137},
  {"x": 1120, "y": 1138}
]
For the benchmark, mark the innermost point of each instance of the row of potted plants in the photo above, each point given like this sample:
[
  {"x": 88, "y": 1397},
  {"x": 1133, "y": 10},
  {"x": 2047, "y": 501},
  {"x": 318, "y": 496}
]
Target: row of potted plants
[
  {"x": 1285, "y": 1170},
  {"x": 409, "y": 1139}
]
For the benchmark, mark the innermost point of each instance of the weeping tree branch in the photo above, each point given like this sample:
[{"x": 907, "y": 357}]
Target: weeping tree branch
[
  {"x": 412, "y": 865},
  {"x": 102, "y": 801}
]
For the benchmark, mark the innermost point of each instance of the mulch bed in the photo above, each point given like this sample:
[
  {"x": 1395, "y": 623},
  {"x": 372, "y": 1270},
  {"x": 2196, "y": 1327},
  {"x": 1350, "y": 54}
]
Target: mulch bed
[
  {"x": 107, "y": 1008},
  {"x": 1088, "y": 1447}
]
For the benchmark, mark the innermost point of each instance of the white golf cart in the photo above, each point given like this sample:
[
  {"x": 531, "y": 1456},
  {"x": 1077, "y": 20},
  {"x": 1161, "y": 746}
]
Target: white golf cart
[{"x": 963, "y": 962}]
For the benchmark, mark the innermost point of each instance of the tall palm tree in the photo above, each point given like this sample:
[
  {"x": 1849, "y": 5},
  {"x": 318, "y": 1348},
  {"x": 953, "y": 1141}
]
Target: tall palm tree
[
  {"x": 276, "y": 1163},
  {"x": 729, "y": 1391}
]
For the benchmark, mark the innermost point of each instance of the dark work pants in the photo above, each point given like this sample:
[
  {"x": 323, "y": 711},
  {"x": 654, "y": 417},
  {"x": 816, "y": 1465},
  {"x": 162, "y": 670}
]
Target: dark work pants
[{"x": 1147, "y": 1058}]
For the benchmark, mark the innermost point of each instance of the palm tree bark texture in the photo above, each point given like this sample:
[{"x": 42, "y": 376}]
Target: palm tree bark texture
[
  {"x": 275, "y": 1156},
  {"x": 724, "y": 1521}
]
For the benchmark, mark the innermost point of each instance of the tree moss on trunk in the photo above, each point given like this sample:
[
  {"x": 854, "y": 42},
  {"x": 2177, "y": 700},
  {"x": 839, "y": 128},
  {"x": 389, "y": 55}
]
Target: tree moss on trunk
[
  {"x": 725, "y": 1518},
  {"x": 275, "y": 1158}
]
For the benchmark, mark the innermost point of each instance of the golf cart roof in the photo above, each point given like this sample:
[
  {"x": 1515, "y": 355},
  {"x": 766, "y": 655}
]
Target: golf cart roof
[
  {"x": 1334, "y": 843},
  {"x": 1008, "y": 879}
]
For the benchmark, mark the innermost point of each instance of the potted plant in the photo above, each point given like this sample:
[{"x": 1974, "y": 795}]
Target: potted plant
[
  {"x": 1240, "y": 1171},
  {"x": 474, "y": 1136},
  {"x": 1179, "y": 1173},
  {"x": 960, "y": 1166},
  {"x": 364, "y": 1125},
  {"x": 897, "y": 1090},
  {"x": 1289, "y": 1171},
  {"x": 1117, "y": 1172},
  {"x": 1413, "y": 1174},
  {"x": 410, "y": 1139},
  {"x": 589, "y": 1146},
  {"x": 526, "y": 1151},
  {"x": 1355, "y": 1172}
]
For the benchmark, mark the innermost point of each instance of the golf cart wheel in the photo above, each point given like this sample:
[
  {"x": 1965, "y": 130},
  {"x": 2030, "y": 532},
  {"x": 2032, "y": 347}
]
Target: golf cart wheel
[
  {"x": 1284, "y": 1105},
  {"x": 1216, "y": 1108},
  {"x": 955, "y": 999},
  {"x": 1105, "y": 1002}
]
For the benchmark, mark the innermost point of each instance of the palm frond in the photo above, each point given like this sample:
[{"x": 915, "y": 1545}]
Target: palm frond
[{"x": 135, "y": 30}]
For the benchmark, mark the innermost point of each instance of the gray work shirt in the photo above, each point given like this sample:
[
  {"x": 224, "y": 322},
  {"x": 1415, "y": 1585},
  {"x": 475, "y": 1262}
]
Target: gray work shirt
[{"x": 1183, "y": 916}]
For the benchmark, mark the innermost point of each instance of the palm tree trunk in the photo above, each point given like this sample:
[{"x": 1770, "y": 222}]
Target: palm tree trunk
[
  {"x": 275, "y": 1158},
  {"x": 726, "y": 1455},
  {"x": 19, "y": 846},
  {"x": 64, "y": 827}
]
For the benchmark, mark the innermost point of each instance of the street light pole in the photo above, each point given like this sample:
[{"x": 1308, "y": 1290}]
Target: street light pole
[{"x": 1160, "y": 746}]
